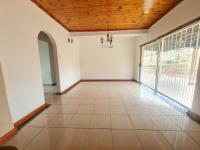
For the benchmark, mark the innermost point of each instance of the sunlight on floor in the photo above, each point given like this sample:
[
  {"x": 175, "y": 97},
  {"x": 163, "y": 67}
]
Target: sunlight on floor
[{"x": 106, "y": 116}]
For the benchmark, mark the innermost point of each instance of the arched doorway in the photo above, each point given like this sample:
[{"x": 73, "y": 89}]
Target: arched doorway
[{"x": 49, "y": 63}]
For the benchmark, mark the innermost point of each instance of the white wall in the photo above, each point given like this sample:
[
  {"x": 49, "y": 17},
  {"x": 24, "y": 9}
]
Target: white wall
[
  {"x": 139, "y": 41},
  {"x": 196, "y": 101},
  {"x": 21, "y": 23},
  {"x": 6, "y": 123},
  {"x": 181, "y": 14},
  {"x": 107, "y": 63},
  {"x": 20, "y": 26}
]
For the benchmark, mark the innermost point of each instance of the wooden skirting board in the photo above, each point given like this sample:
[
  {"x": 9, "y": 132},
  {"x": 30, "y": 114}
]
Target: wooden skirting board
[
  {"x": 42, "y": 107},
  {"x": 106, "y": 80},
  {"x": 94, "y": 80},
  {"x": 8, "y": 135},
  {"x": 69, "y": 88},
  {"x": 193, "y": 116},
  {"x": 21, "y": 122},
  {"x": 30, "y": 115}
]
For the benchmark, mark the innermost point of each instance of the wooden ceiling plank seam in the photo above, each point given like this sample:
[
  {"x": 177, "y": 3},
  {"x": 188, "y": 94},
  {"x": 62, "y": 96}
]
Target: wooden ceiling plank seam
[{"x": 94, "y": 15}]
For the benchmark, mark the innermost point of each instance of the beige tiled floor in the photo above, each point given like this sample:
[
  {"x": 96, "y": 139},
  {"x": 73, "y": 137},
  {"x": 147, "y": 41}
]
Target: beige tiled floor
[{"x": 108, "y": 116}]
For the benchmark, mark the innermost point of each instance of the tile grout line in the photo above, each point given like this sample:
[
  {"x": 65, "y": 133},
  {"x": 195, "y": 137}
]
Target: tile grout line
[
  {"x": 166, "y": 139},
  {"x": 111, "y": 123},
  {"x": 41, "y": 128},
  {"x": 186, "y": 132},
  {"x": 133, "y": 127}
]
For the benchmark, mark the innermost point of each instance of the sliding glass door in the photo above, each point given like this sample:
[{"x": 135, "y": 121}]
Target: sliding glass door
[
  {"x": 149, "y": 65},
  {"x": 174, "y": 63}
]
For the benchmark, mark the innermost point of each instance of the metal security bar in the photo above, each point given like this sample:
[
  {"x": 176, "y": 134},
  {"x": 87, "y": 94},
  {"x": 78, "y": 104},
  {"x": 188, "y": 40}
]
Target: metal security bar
[
  {"x": 149, "y": 64},
  {"x": 174, "y": 73}
]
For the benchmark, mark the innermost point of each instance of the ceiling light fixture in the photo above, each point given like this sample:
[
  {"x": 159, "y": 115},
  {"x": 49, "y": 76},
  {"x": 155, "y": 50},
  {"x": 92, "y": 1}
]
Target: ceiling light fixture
[
  {"x": 107, "y": 42},
  {"x": 70, "y": 40}
]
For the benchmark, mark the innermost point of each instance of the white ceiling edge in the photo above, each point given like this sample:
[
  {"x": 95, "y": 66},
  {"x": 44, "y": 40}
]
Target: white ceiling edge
[{"x": 116, "y": 33}]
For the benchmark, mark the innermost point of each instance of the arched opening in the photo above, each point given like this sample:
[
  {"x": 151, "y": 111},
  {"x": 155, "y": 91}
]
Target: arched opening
[{"x": 49, "y": 63}]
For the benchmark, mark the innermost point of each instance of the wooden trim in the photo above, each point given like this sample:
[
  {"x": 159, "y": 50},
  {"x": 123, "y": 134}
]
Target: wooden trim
[
  {"x": 94, "y": 80},
  {"x": 69, "y": 88},
  {"x": 48, "y": 13},
  {"x": 21, "y": 122},
  {"x": 8, "y": 135},
  {"x": 30, "y": 115},
  {"x": 70, "y": 30},
  {"x": 193, "y": 116},
  {"x": 104, "y": 30},
  {"x": 173, "y": 30},
  {"x": 170, "y": 9},
  {"x": 106, "y": 80},
  {"x": 96, "y": 30}
]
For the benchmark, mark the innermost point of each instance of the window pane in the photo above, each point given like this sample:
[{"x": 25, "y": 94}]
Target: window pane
[
  {"x": 149, "y": 62},
  {"x": 195, "y": 36},
  {"x": 178, "y": 64},
  {"x": 188, "y": 37}
]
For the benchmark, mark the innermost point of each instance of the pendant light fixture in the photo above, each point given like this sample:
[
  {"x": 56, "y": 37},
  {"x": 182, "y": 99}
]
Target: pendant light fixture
[{"x": 107, "y": 42}]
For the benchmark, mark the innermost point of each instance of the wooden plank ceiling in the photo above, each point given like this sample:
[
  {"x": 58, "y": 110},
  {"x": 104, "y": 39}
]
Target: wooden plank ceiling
[{"x": 101, "y": 15}]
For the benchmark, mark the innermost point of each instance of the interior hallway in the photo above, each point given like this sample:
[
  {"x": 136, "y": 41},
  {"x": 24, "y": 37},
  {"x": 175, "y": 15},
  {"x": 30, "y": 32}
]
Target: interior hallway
[{"x": 106, "y": 116}]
